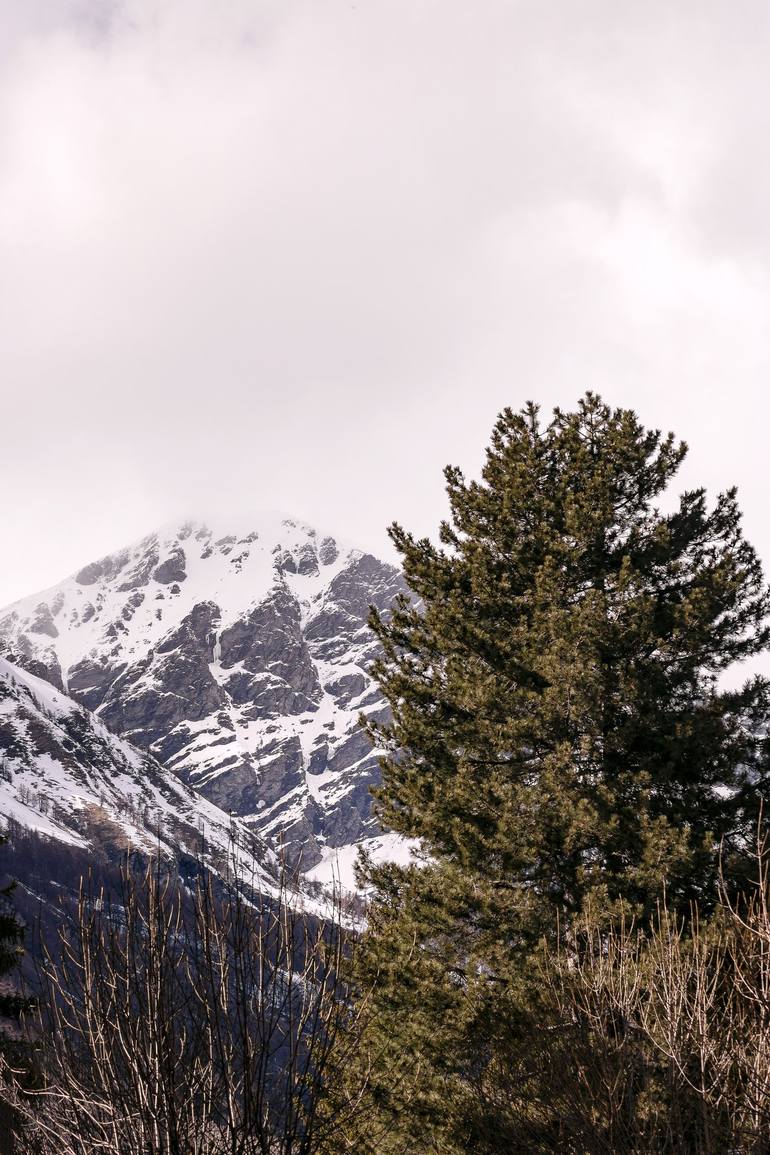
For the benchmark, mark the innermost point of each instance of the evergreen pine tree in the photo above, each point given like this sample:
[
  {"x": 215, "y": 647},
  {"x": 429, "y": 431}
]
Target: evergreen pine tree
[
  {"x": 13, "y": 1002},
  {"x": 561, "y": 738}
]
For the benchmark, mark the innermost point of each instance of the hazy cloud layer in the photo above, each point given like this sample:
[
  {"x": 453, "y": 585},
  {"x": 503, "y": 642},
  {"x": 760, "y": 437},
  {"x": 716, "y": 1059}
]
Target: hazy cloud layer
[{"x": 298, "y": 254}]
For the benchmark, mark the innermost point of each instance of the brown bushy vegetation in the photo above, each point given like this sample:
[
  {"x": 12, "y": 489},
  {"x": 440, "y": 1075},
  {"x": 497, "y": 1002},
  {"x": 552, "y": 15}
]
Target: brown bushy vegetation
[{"x": 656, "y": 1041}]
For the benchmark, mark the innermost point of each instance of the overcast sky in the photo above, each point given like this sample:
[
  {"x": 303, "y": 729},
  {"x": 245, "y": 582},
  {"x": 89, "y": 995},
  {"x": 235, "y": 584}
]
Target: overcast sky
[{"x": 298, "y": 255}]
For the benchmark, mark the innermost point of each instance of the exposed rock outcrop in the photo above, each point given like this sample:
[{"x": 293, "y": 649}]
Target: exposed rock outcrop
[{"x": 237, "y": 659}]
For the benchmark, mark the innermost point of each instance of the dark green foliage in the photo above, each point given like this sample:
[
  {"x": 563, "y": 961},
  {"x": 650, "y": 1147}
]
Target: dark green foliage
[
  {"x": 561, "y": 740},
  {"x": 11, "y": 949},
  {"x": 13, "y": 1002},
  {"x": 558, "y": 721}
]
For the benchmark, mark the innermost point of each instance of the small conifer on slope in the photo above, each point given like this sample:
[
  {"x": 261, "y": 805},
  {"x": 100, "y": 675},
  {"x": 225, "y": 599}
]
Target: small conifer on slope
[
  {"x": 14, "y": 1052},
  {"x": 561, "y": 739}
]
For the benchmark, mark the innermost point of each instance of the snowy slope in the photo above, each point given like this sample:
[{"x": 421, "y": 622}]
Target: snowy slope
[
  {"x": 238, "y": 657},
  {"x": 65, "y": 775}
]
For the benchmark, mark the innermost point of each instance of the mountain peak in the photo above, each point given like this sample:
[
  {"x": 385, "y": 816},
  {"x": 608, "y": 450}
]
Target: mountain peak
[{"x": 235, "y": 652}]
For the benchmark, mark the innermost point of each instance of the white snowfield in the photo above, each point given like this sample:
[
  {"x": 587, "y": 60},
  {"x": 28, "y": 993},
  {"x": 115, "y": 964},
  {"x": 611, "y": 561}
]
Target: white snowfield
[
  {"x": 251, "y": 641},
  {"x": 232, "y": 567},
  {"x": 338, "y": 866}
]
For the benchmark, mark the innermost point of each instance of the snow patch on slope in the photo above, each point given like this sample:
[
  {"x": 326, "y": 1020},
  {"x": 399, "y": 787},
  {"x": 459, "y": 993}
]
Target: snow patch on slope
[{"x": 337, "y": 865}]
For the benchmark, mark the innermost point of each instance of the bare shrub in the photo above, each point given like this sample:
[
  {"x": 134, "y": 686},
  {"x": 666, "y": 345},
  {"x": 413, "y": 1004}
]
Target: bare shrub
[
  {"x": 190, "y": 1022},
  {"x": 661, "y": 1042}
]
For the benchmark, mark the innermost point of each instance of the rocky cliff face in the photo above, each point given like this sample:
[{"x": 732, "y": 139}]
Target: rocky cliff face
[
  {"x": 238, "y": 659},
  {"x": 63, "y": 774}
]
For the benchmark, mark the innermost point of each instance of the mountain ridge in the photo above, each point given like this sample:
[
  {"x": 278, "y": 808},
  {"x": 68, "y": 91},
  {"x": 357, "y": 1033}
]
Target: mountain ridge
[
  {"x": 66, "y": 776},
  {"x": 237, "y": 657}
]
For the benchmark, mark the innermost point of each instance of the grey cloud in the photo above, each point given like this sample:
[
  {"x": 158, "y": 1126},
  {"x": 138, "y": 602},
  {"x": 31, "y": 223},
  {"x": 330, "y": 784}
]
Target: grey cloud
[{"x": 298, "y": 254}]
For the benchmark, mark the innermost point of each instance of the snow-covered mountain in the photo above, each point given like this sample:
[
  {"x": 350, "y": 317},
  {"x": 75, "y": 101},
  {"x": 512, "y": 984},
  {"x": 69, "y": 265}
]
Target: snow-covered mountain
[
  {"x": 237, "y": 657},
  {"x": 63, "y": 774}
]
